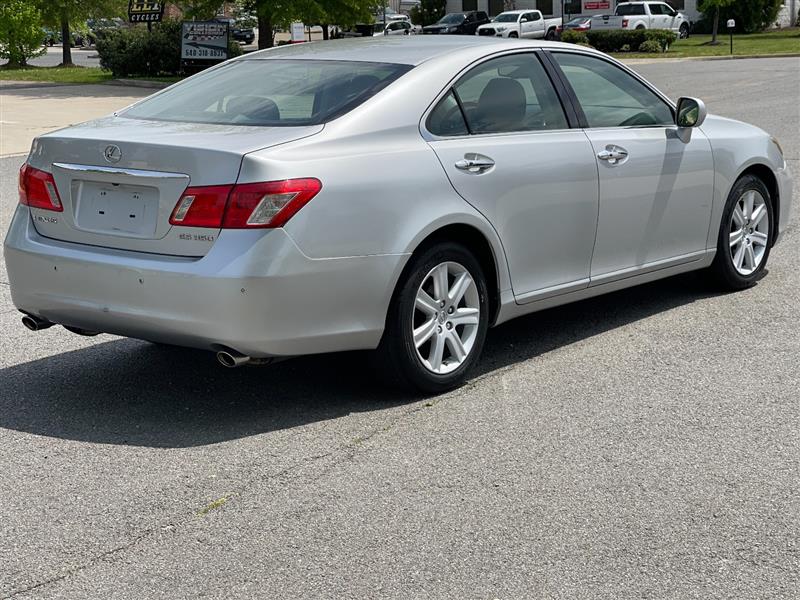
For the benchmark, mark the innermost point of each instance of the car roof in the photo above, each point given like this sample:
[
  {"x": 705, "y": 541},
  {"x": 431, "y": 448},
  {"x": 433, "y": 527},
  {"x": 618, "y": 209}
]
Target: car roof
[
  {"x": 406, "y": 50},
  {"x": 518, "y": 11}
]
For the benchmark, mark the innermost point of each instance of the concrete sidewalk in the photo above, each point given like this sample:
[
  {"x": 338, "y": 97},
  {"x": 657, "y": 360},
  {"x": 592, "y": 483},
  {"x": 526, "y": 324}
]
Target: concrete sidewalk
[{"x": 28, "y": 111}]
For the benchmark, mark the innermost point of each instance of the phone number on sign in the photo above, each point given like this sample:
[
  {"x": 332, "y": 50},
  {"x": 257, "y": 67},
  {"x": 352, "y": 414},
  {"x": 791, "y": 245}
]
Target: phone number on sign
[{"x": 203, "y": 53}]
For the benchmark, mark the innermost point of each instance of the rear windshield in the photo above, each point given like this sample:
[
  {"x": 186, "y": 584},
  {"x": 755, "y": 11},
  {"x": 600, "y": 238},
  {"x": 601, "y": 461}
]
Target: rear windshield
[
  {"x": 270, "y": 92},
  {"x": 630, "y": 9}
]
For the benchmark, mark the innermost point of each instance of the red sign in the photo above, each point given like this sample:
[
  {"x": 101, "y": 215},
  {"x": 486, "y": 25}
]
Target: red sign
[{"x": 603, "y": 5}]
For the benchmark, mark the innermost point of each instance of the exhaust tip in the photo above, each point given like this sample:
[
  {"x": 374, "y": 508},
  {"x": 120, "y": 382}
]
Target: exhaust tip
[
  {"x": 35, "y": 323},
  {"x": 231, "y": 359}
]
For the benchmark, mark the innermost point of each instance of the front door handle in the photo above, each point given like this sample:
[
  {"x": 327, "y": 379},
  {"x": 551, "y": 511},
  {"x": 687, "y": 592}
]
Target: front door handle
[
  {"x": 474, "y": 163},
  {"x": 613, "y": 154}
]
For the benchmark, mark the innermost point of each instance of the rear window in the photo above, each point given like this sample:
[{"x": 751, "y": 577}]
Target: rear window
[
  {"x": 270, "y": 92},
  {"x": 630, "y": 9}
]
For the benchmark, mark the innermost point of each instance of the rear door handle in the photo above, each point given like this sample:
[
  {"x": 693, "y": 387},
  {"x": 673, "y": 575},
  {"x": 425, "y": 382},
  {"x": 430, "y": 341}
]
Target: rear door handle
[
  {"x": 474, "y": 163},
  {"x": 613, "y": 154}
]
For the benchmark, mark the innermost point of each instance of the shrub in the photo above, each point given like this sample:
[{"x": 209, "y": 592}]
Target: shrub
[
  {"x": 650, "y": 46},
  {"x": 574, "y": 37},
  {"x": 616, "y": 40},
  {"x": 21, "y": 33},
  {"x": 133, "y": 51}
]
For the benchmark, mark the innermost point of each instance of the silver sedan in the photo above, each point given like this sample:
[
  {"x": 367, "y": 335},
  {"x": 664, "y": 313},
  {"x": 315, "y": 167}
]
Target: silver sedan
[{"x": 399, "y": 195}]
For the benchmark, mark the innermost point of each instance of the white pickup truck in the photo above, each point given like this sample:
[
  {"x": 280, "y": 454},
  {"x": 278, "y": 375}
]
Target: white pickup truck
[
  {"x": 644, "y": 15},
  {"x": 521, "y": 24}
]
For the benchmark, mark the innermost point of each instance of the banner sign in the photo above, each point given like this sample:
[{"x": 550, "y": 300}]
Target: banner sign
[
  {"x": 145, "y": 11},
  {"x": 298, "y": 32},
  {"x": 204, "y": 40},
  {"x": 602, "y": 5}
]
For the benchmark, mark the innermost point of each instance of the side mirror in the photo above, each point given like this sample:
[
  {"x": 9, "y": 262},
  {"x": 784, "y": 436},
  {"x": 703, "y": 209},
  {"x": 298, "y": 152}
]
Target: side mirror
[{"x": 691, "y": 112}]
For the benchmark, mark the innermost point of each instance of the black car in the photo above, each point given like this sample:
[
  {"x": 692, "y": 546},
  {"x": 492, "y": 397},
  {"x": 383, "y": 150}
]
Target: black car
[
  {"x": 464, "y": 23},
  {"x": 239, "y": 31}
]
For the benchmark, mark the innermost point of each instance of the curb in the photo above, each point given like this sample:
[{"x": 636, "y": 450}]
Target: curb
[
  {"x": 10, "y": 84},
  {"x": 138, "y": 83},
  {"x": 711, "y": 58}
]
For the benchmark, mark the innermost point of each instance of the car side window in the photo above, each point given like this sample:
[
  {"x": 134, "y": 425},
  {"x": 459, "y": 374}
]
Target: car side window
[
  {"x": 447, "y": 119},
  {"x": 533, "y": 16},
  {"x": 611, "y": 97},
  {"x": 509, "y": 93}
]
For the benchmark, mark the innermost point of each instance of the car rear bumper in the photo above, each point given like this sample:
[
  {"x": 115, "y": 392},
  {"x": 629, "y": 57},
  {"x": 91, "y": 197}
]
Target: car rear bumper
[{"x": 254, "y": 292}]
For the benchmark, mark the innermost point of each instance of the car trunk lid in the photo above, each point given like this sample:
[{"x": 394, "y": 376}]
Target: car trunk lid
[{"x": 119, "y": 179}]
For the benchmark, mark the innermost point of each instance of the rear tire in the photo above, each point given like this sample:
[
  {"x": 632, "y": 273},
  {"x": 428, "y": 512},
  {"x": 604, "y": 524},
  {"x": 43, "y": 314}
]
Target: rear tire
[
  {"x": 437, "y": 321},
  {"x": 745, "y": 235}
]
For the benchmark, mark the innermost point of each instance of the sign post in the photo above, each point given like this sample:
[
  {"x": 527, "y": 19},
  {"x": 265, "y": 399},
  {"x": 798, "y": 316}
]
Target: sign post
[
  {"x": 203, "y": 42},
  {"x": 731, "y": 27}
]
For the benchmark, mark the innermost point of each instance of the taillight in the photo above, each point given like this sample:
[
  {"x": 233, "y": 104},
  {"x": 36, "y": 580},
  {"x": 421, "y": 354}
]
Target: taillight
[
  {"x": 244, "y": 206},
  {"x": 201, "y": 206},
  {"x": 624, "y": 23},
  {"x": 37, "y": 189}
]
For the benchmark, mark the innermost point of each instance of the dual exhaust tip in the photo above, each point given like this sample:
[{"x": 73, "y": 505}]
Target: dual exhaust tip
[{"x": 227, "y": 358}]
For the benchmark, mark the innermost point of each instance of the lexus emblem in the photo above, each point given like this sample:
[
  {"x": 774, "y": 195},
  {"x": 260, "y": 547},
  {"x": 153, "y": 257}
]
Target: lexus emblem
[{"x": 112, "y": 153}]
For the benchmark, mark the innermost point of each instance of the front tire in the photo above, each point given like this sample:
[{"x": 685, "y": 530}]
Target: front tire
[
  {"x": 745, "y": 235},
  {"x": 437, "y": 321},
  {"x": 683, "y": 31}
]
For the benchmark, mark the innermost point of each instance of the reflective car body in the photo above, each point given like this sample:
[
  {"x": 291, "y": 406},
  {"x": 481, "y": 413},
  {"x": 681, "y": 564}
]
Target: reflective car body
[{"x": 552, "y": 222}]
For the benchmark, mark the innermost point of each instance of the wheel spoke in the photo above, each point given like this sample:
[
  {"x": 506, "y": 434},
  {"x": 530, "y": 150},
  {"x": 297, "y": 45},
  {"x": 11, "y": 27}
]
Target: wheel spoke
[
  {"x": 460, "y": 287},
  {"x": 738, "y": 216},
  {"x": 758, "y": 215},
  {"x": 749, "y": 201},
  {"x": 738, "y": 258},
  {"x": 440, "y": 282},
  {"x": 750, "y": 257},
  {"x": 437, "y": 352},
  {"x": 425, "y": 303},
  {"x": 465, "y": 316},
  {"x": 736, "y": 237},
  {"x": 456, "y": 346},
  {"x": 758, "y": 238},
  {"x": 424, "y": 332}
]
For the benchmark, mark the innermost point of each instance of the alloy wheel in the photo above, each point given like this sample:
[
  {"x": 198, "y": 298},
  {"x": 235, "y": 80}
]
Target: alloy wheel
[
  {"x": 749, "y": 232},
  {"x": 446, "y": 317}
]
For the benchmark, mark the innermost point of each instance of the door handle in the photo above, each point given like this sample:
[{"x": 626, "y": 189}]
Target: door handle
[
  {"x": 474, "y": 163},
  {"x": 613, "y": 154}
]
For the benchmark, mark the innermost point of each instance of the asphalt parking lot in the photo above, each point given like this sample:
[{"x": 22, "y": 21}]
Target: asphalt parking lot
[{"x": 640, "y": 445}]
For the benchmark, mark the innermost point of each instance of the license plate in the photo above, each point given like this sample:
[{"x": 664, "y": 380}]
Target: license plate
[{"x": 117, "y": 209}]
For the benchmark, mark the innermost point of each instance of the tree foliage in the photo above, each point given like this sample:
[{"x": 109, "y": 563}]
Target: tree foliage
[
  {"x": 750, "y": 15},
  {"x": 21, "y": 34}
]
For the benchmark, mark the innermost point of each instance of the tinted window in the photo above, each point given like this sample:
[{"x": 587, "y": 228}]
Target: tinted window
[
  {"x": 270, "y": 92},
  {"x": 452, "y": 19},
  {"x": 510, "y": 93},
  {"x": 447, "y": 119},
  {"x": 660, "y": 9},
  {"x": 609, "y": 96},
  {"x": 532, "y": 16},
  {"x": 630, "y": 9}
]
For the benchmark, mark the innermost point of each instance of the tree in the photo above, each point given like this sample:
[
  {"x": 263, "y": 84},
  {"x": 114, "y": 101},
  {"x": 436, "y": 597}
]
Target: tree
[
  {"x": 713, "y": 7},
  {"x": 428, "y": 11},
  {"x": 60, "y": 13},
  {"x": 21, "y": 34},
  {"x": 750, "y": 15}
]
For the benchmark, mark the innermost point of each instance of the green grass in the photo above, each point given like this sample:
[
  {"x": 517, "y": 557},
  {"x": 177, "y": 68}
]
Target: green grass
[
  {"x": 56, "y": 74},
  {"x": 74, "y": 75},
  {"x": 783, "y": 41}
]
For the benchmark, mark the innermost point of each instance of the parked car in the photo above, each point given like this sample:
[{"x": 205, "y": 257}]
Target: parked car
[
  {"x": 576, "y": 24},
  {"x": 464, "y": 23},
  {"x": 239, "y": 31},
  {"x": 644, "y": 15},
  {"x": 402, "y": 198},
  {"x": 521, "y": 24},
  {"x": 396, "y": 27}
]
